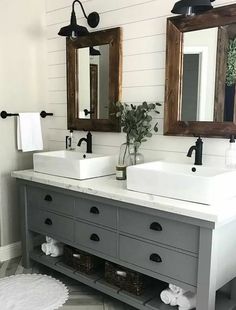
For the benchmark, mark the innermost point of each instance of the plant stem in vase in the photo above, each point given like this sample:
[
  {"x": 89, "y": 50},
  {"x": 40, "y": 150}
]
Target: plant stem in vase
[{"x": 137, "y": 157}]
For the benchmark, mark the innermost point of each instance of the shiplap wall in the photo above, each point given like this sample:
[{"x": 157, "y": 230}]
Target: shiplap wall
[{"x": 144, "y": 40}]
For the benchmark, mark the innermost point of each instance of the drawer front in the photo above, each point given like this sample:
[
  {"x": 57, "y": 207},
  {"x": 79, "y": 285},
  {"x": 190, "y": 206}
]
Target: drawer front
[
  {"x": 49, "y": 200},
  {"x": 170, "y": 232},
  {"x": 158, "y": 259},
  {"x": 51, "y": 224},
  {"x": 96, "y": 238},
  {"x": 96, "y": 212}
]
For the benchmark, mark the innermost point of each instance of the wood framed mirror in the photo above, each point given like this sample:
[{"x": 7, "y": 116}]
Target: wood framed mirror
[
  {"x": 200, "y": 92},
  {"x": 94, "y": 71}
]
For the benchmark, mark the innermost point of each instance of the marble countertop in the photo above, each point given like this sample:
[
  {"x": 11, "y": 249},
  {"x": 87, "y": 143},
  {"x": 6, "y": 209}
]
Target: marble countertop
[{"x": 109, "y": 187}]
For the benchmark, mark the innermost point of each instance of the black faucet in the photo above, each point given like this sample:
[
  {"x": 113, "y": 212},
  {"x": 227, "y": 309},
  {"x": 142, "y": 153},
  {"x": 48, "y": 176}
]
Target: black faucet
[
  {"x": 198, "y": 151},
  {"x": 88, "y": 140}
]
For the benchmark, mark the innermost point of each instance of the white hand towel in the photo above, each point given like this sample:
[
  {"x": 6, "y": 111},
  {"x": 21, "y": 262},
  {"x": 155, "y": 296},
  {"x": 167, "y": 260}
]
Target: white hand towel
[
  {"x": 29, "y": 133},
  {"x": 56, "y": 250},
  {"x": 176, "y": 289},
  {"x": 46, "y": 248},
  {"x": 168, "y": 297},
  {"x": 51, "y": 240},
  {"x": 187, "y": 301}
]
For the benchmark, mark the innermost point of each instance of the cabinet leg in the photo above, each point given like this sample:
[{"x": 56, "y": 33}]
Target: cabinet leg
[
  {"x": 233, "y": 289},
  {"x": 206, "y": 289},
  {"x": 27, "y": 246},
  {"x": 26, "y": 261},
  {"x": 27, "y": 235}
]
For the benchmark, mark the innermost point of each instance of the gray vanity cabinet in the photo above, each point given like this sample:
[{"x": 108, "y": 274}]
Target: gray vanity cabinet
[{"x": 168, "y": 247}]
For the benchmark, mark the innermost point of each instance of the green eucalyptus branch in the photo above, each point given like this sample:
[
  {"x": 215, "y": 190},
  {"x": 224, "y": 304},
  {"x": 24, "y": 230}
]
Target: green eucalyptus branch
[
  {"x": 231, "y": 63},
  {"x": 136, "y": 120}
]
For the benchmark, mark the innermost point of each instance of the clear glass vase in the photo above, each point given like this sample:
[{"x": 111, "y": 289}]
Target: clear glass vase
[
  {"x": 125, "y": 160},
  {"x": 136, "y": 156}
]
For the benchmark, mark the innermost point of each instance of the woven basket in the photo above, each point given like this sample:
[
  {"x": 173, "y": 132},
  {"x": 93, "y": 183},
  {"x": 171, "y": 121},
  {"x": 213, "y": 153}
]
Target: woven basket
[
  {"x": 127, "y": 279},
  {"x": 82, "y": 261}
]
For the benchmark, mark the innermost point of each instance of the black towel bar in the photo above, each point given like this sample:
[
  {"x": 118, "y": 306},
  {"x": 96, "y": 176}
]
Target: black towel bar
[{"x": 4, "y": 114}]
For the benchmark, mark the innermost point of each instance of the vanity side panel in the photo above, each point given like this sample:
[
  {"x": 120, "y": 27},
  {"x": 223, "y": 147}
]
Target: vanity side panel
[{"x": 226, "y": 253}]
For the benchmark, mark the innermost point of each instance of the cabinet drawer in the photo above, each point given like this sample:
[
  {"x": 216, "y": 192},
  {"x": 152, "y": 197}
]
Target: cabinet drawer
[
  {"x": 51, "y": 224},
  {"x": 170, "y": 232},
  {"x": 96, "y": 212},
  {"x": 96, "y": 238},
  {"x": 49, "y": 200},
  {"x": 158, "y": 259}
]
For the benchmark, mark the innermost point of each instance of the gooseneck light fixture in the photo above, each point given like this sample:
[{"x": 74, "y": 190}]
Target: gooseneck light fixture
[
  {"x": 192, "y": 7},
  {"x": 74, "y": 30}
]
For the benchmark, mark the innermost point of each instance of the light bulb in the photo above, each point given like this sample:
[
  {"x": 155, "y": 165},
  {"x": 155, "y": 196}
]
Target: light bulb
[{"x": 73, "y": 36}]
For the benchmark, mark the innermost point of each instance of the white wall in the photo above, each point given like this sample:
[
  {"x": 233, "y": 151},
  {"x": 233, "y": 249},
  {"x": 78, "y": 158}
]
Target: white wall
[
  {"x": 22, "y": 89},
  {"x": 144, "y": 40}
]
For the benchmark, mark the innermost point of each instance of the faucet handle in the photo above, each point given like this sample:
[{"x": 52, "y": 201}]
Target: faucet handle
[{"x": 199, "y": 141}]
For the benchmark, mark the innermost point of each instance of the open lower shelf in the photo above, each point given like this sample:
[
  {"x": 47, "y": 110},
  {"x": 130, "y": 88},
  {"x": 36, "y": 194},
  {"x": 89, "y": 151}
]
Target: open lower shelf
[{"x": 149, "y": 300}]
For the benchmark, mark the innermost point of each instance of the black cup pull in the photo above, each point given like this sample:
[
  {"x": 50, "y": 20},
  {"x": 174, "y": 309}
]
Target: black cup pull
[
  {"x": 155, "y": 258},
  {"x": 94, "y": 237},
  {"x": 156, "y": 226},
  {"x": 94, "y": 210},
  {"x": 48, "y": 198},
  {"x": 48, "y": 222}
]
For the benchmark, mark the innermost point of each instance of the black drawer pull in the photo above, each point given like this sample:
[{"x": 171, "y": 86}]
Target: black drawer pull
[
  {"x": 156, "y": 226},
  {"x": 94, "y": 210},
  {"x": 48, "y": 198},
  {"x": 48, "y": 222},
  {"x": 155, "y": 258},
  {"x": 94, "y": 237}
]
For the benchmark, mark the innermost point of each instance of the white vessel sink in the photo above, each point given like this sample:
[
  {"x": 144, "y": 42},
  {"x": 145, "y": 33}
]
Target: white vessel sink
[
  {"x": 182, "y": 181},
  {"x": 73, "y": 164}
]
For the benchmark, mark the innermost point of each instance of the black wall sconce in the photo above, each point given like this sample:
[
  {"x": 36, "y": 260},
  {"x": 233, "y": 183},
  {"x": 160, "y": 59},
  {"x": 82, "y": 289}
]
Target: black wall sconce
[
  {"x": 192, "y": 7},
  {"x": 74, "y": 30}
]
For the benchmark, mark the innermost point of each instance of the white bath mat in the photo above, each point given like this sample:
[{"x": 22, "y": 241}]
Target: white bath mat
[{"x": 32, "y": 292}]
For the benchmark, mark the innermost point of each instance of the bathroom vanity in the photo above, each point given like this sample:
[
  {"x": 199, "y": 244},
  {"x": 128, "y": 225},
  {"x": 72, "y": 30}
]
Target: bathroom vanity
[{"x": 188, "y": 244}]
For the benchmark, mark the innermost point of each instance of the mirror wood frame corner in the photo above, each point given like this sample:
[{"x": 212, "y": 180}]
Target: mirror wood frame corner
[
  {"x": 113, "y": 38},
  {"x": 176, "y": 27}
]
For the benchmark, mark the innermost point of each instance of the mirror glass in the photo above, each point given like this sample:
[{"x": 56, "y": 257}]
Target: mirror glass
[
  {"x": 200, "y": 96},
  {"x": 199, "y": 69},
  {"x": 93, "y": 82}
]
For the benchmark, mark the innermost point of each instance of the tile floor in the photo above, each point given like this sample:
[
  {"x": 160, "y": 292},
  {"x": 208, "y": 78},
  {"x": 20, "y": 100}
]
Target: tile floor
[{"x": 81, "y": 297}]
